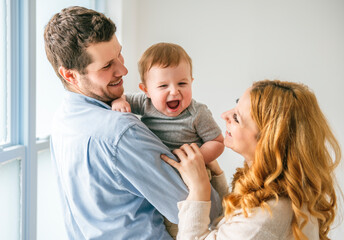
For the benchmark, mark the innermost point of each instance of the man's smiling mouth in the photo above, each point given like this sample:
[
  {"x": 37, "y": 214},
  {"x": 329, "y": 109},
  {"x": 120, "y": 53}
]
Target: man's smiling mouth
[{"x": 116, "y": 83}]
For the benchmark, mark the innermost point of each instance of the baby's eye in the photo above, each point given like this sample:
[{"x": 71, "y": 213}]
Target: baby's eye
[
  {"x": 162, "y": 86},
  {"x": 182, "y": 83},
  {"x": 235, "y": 117}
]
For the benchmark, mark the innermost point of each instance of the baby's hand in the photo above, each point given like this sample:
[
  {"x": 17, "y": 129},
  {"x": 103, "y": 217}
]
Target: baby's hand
[
  {"x": 120, "y": 105},
  {"x": 215, "y": 168}
]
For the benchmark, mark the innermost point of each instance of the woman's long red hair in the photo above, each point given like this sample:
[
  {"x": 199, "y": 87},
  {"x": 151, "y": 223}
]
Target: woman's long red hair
[{"x": 295, "y": 157}]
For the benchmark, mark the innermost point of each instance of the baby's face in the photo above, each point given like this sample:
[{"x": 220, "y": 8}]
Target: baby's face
[{"x": 169, "y": 88}]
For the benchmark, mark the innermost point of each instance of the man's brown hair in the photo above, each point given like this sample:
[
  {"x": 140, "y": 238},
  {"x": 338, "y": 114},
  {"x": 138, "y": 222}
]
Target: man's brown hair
[{"x": 70, "y": 32}]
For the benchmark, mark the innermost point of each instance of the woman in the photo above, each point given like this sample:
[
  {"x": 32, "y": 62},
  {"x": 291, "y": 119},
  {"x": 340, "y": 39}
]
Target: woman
[{"x": 285, "y": 189}]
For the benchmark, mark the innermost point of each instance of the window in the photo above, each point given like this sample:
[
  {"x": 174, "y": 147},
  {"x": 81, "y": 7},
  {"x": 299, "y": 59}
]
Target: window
[
  {"x": 29, "y": 204},
  {"x": 10, "y": 159},
  {"x": 10, "y": 200},
  {"x": 4, "y": 91}
]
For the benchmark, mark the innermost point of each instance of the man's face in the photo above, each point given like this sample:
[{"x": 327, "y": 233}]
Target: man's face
[{"x": 103, "y": 80}]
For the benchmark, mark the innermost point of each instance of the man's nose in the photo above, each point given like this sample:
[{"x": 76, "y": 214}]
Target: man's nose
[{"x": 120, "y": 69}]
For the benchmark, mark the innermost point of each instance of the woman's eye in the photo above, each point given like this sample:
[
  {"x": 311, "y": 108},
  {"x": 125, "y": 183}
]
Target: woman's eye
[{"x": 235, "y": 117}]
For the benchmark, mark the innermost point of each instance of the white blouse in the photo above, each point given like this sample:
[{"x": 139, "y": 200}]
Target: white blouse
[{"x": 259, "y": 225}]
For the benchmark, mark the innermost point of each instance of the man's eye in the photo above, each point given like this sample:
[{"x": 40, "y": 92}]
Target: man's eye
[
  {"x": 107, "y": 66},
  {"x": 235, "y": 117}
]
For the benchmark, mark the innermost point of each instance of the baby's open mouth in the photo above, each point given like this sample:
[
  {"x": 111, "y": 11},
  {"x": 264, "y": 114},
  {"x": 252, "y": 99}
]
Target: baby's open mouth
[{"x": 173, "y": 104}]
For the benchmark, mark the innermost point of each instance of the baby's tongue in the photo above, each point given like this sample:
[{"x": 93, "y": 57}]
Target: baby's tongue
[{"x": 173, "y": 104}]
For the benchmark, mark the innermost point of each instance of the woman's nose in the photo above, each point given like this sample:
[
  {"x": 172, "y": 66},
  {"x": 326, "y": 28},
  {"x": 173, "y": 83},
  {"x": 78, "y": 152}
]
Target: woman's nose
[{"x": 225, "y": 115}]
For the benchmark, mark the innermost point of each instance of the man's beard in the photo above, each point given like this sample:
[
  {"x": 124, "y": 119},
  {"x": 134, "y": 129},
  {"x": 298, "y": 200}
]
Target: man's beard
[{"x": 106, "y": 97}]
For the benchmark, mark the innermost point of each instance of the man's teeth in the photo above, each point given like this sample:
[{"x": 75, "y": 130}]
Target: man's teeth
[{"x": 115, "y": 83}]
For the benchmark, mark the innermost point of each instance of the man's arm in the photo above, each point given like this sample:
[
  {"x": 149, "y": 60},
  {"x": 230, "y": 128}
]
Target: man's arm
[{"x": 138, "y": 159}]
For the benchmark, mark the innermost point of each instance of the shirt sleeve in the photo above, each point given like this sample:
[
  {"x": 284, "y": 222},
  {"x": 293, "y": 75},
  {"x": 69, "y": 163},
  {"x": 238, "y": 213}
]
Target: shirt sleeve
[
  {"x": 220, "y": 184},
  {"x": 138, "y": 160},
  {"x": 136, "y": 102},
  {"x": 193, "y": 219},
  {"x": 204, "y": 123},
  {"x": 259, "y": 225}
]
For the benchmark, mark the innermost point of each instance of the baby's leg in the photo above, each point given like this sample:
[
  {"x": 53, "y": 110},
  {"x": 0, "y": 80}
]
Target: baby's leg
[
  {"x": 209, "y": 173},
  {"x": 171, "y": 228}
]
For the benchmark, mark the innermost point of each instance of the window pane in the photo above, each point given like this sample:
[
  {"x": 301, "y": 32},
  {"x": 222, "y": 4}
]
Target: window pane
[
  {"x": 49, "y": 87},
  {"x": 10, "y": 199},
  {"x": 49, "y": 212},
  {"x": 4, "y": 87}
]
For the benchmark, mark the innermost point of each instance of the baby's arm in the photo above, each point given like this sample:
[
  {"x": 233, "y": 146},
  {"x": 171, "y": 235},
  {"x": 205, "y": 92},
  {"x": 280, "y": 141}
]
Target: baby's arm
[
  {"x": 212, "y": 149},
  {"x": 120, "y": 105}
]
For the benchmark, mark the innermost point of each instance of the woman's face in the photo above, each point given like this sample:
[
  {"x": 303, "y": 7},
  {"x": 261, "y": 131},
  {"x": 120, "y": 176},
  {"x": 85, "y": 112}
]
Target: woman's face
[{"x": 241, "y": 130}]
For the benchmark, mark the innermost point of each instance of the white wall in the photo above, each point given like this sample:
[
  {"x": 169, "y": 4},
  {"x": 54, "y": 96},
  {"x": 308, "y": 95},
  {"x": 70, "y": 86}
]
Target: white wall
[{"x": 233, "y": 43}]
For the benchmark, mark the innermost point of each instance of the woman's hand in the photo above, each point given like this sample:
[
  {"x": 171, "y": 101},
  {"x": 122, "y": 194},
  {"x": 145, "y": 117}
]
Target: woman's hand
[{"x": 192, "y": 169}]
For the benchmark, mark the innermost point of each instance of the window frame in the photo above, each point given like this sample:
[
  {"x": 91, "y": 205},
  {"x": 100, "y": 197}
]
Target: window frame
[
  {"x": 27, "y": 113},
  {"x": 23, "y": 142}
]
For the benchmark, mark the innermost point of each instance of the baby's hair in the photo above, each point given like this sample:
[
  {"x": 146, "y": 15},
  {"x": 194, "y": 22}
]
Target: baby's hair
[{"x": 162, "y": 55}]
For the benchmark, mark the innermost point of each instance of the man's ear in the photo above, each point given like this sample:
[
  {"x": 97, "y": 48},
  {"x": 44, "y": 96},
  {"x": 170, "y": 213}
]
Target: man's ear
[
  {"x": 69, "y": 75},
  {"x": 143, "y": 88}
]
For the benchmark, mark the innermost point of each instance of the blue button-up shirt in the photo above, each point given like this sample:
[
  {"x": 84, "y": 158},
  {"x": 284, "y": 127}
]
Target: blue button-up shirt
[{"x": 112, "y": 181}]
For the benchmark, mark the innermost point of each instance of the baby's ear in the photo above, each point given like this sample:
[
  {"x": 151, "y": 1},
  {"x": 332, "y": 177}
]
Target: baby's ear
[{"x": 143, "y": 88}]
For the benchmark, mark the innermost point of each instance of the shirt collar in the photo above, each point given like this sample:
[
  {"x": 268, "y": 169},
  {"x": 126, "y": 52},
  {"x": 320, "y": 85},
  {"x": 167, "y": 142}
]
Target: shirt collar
[{"x": 77, "y": 97}]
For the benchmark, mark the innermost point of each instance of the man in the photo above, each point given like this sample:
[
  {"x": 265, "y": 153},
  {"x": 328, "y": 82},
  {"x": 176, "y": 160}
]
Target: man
[{"x": 112, "y": 181}]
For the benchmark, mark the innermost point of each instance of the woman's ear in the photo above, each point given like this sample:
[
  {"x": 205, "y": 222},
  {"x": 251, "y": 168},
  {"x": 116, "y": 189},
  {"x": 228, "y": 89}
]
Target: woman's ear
[
  {"x": 69, "y": 75},
  {"x": 143, "y": 88}
]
